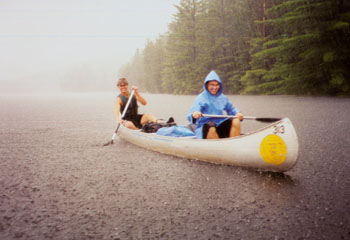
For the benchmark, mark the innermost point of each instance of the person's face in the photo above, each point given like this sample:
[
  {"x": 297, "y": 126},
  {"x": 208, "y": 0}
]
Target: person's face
[
  {"x": 213, "y": 87},
  {"x": 123, "y": 88}
]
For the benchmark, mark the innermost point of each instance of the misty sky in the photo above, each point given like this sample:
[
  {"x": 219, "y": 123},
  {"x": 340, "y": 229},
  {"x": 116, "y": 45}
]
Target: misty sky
[{"x": 49, "y": 35}]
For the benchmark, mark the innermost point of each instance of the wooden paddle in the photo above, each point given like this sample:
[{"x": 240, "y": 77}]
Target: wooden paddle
[
  {"x": 125, "y": 109},
  {"x": 260, "y": 119}
]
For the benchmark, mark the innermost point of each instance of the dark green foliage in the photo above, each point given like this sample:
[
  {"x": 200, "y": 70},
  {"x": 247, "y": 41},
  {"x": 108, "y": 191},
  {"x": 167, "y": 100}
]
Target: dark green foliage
[
  {"x": 181, "y": 71},
  {"x": 256, "y": 46},
  {"x": 306, "y": 53}
]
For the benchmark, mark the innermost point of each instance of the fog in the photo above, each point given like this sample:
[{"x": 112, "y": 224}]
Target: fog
[{"x": 43, "y": 42}]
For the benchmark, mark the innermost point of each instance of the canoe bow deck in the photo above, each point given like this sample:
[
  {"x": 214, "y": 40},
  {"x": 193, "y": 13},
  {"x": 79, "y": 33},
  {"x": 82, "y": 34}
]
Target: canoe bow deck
[{"x": 272, "y": 148}]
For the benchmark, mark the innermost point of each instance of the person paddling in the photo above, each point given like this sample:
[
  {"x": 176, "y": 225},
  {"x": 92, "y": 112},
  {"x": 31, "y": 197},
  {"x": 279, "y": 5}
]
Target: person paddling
[
  {"x": 132, "y": 118},
  {"x": 213, "y": 101}
]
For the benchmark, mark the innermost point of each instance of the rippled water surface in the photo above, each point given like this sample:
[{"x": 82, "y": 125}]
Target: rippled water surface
[{"x": 58, "y": 182}]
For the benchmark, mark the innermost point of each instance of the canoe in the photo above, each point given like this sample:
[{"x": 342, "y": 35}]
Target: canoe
[{"x": 271, "y": 148}]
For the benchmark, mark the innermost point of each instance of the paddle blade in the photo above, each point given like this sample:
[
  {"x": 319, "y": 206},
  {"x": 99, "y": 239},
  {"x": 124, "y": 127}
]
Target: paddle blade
[
  {"x": 267, "y": 120},
  {"x": 113, "y": 137},
  {"x": 109, "y": 143}
]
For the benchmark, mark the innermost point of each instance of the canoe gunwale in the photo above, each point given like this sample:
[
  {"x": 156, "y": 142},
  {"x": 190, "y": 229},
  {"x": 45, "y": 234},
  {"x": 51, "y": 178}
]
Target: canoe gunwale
[
  {"x": 238, "y": 151},
  {"x": 220, "y": 139}
]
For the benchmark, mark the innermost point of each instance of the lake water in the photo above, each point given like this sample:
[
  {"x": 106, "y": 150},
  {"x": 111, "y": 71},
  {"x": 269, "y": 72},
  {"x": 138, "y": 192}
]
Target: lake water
[{"x": 58, "y": 182}]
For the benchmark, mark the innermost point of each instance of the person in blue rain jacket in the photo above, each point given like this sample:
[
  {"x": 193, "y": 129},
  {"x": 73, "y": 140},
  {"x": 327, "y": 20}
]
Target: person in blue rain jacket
[{"x": 213, "y": 101}]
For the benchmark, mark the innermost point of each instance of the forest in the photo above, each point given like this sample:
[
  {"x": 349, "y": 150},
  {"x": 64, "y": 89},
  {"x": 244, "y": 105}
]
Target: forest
[{"x": 270, "y": 47}]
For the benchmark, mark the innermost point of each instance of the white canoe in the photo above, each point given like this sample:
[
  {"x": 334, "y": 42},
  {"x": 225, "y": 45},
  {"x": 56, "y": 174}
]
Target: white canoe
[{"x": 272, "y": 148}]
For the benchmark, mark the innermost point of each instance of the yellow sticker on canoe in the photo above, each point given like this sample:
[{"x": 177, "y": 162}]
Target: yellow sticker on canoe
[{"x": 273, "y": 149}]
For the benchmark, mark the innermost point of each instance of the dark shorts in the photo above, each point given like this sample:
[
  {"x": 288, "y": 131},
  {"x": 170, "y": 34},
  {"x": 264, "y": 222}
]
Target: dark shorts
[
  {"x": 136, "y": 120},
  {"x": 223, "y": 129}
]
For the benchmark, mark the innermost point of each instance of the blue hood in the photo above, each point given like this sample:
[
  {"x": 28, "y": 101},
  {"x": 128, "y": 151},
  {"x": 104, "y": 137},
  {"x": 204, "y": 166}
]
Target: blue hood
[{"x": 210, "y": 77}]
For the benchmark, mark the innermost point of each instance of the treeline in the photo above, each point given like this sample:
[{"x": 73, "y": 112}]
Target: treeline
[{"x": 257, "y": 47}]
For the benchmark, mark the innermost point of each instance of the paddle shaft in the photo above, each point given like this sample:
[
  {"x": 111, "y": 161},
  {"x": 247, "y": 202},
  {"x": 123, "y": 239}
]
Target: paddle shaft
[
  {"x": 123, "y": 114},
  {"x": 260, "y": 119}
]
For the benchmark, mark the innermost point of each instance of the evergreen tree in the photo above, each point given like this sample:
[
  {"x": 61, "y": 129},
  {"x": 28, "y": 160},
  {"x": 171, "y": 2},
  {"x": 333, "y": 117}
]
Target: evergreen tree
[
  {"x": 134, "y": 71},
  {"x": 256, "y": 46},
  {"x": 230, "y": 28},
  {"x": 307, "y": 51},
  {"x": 180, "y": 75},
  {"x": 153, "y": 59}
]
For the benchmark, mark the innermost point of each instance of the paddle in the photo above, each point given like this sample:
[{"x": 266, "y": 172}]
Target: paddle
[
  {"x": 125, "y": 109},
  {"x": 260, "y": 119}
]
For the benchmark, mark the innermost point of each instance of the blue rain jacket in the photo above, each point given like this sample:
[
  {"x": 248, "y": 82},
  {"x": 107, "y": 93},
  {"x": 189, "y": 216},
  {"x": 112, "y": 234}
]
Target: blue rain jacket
[{"x": 207, "y": 103}]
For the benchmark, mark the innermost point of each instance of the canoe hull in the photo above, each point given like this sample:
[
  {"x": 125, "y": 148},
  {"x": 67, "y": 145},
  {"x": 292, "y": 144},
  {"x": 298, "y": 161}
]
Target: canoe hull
[{"x": 272, "y": 148}]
